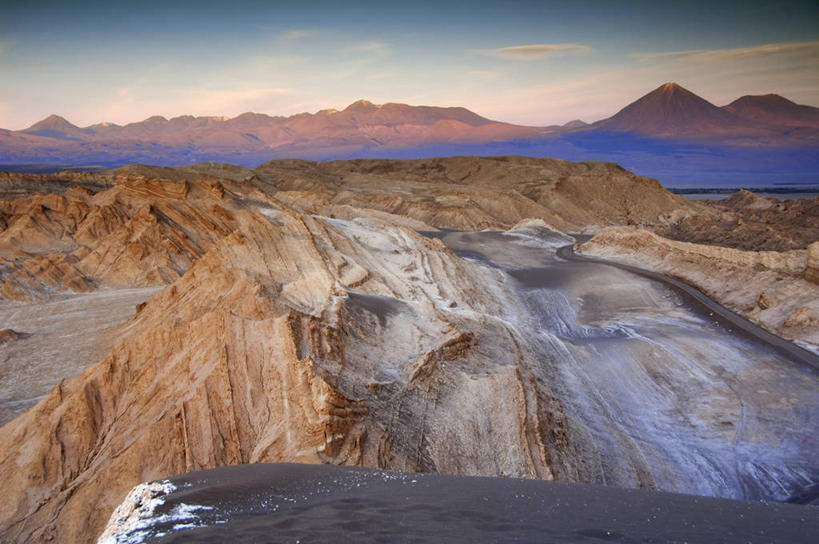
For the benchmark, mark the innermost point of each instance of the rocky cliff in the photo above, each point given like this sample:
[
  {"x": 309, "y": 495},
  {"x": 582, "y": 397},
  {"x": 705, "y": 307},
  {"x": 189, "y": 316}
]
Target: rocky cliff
[
  {"x": 292, "y": 338},
  {"x": 773, "y": 288}
]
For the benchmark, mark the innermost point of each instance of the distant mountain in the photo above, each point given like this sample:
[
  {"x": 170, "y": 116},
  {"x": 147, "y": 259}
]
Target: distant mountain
[
  {"x": 774, "y": 109},
  {"x": 55, "y": 126},
  {"x": 670, "y": 111},
  {"x": 576, "y": 123},
  {"x": 361, "y": 127},
  {"x": 669, "y": 133}
]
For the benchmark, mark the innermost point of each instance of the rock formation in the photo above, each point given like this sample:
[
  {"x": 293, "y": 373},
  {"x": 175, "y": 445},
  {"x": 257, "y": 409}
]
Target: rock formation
[
  {"x": 141, "y": 232},
  {"x": 8, "y": 335},
  {"x": 812, "y": 270},
  {"x": 301, "y": 317},
  {"x": 765, "y": 286},
  {"x": 751, "y": 222},
  {"x": 473, "y": 193},
  {"x": 292, "y": 338}
]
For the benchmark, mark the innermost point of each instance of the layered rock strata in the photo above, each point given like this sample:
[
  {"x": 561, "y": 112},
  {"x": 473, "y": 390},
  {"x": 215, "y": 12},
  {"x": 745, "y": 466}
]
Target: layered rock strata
[
  {"x": 769, "y": 287},
  {"x": 294, "y": 338},
  {"x": 302, "y": 318}
]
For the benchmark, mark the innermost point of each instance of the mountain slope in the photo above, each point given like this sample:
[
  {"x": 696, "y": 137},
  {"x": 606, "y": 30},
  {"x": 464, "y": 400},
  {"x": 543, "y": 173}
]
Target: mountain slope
[
  {"x": 360, "y": 127},
  {"x": 671, "y": 133},
  {"x": 774, "y": 109},
  {"x": 672, "y": 111},
  {"x": 55, "y": 126}
]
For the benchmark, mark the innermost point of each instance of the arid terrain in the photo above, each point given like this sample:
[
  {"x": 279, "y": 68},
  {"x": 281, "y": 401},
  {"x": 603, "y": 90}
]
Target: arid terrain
[{"x": 409, "y": 315}]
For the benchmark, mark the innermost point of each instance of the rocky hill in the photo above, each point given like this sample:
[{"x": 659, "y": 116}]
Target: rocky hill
[
  {"x": 473, "y": 193},
  {"x": 298, "y": 315},
  {"x": 751, "y": 222},
  {"x": 776, "y": 289},
  {"x": 288, "y": 338}
]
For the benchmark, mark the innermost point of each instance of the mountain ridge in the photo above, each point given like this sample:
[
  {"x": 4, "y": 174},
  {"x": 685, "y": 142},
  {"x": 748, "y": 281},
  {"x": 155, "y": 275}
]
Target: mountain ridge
[
  {"x": 428, "y": 115},
  {"x": 670, "y": 110},
  {"x": 665, "y": 107},
  {"x": 765, "y": 135},
  {"x": 773, "y": 108}
]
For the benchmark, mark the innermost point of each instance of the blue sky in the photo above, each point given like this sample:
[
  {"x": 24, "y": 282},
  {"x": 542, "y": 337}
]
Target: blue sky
[{"x": 534, "y": 63}]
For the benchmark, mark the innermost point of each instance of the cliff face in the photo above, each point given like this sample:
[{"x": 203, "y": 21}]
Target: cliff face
[
  {"x": 141, "y": 232},
  {"x": 774, "y": 288},
  {"x": 297, "y": 339}
]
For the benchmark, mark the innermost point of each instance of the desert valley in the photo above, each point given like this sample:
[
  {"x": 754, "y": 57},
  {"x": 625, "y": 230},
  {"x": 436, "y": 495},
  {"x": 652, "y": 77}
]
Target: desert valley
[
  {"x": 408, "y": 315},
  {"x": 417, "y": 272}
]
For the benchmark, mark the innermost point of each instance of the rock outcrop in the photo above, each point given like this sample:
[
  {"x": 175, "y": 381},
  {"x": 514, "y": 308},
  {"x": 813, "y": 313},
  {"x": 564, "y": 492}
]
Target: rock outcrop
[
  {"x": 474, "y": 193},
  {"x": 298, "y": 339},
  {"x": 8, "y": 335},
  {"x": 750, "y": 222},
  {"x": 812, "y": 270},
  {"x": 769, "y": 287},
  {"x": 141, "y": 232}
]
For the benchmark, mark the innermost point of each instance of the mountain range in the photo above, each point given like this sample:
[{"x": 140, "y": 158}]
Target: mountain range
[{"x": 670, "y": 133}]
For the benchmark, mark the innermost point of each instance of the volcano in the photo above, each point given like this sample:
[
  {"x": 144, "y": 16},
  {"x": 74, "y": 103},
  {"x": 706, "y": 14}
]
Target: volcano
[{"x": 671, "y": 111}]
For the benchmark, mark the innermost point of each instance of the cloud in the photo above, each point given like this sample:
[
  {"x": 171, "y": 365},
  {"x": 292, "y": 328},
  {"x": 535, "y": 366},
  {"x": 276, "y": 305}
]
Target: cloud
[
  {"x": 357, "y": 60},
  {"x": 534, "y": 51},
  {"x": 293, "y": 35},
  {"x": 807, "y": 50},
  {"x": 369, "y": 48},
  {"x": 719, "y": 76}
]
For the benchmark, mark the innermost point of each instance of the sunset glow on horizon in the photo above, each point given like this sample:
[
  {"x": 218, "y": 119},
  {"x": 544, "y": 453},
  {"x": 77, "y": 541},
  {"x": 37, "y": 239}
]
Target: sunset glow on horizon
[{"x": 530, "y": 63}]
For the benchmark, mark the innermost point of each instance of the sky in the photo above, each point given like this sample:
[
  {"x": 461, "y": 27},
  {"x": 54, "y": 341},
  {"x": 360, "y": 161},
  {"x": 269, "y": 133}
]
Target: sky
[{"x": 526, "y": 62}]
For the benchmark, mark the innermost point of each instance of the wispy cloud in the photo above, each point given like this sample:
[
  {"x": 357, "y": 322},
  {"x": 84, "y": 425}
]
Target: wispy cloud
[
  {"x": 298, "y": 34},
  {"x": 535, "y": 51},
  {"x": 375, "y": 49},
  {"x": 357, "y": 60},
  {"x": 720, "y": 76},
  {"x": 808, "y": 50}
]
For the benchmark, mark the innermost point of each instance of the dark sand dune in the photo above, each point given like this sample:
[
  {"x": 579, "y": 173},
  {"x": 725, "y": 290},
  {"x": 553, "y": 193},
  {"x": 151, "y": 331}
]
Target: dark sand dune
[{"x": 320, "y": 503}]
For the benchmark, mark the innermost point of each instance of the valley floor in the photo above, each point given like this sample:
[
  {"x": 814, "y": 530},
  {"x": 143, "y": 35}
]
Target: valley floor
[
  {"x": 56, "y": 339},
  {"x": 672, "y": 396}
]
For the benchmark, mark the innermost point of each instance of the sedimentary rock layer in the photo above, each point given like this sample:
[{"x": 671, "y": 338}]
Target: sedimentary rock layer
[
  {"x": 773, "y": 288},
  {"x": 297, "y": 339}
]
